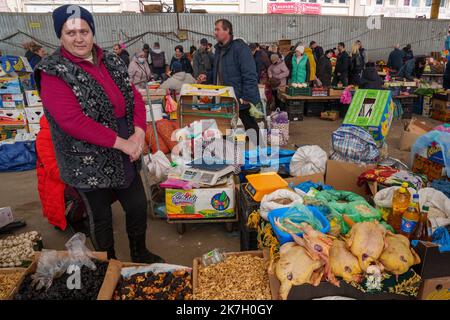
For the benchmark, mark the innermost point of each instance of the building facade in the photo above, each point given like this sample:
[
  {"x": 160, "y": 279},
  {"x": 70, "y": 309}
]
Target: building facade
[{"x": 388, "y": 8}]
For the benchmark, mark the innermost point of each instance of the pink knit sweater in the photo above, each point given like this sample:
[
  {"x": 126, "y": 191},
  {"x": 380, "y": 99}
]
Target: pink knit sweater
[{"x": 59, "y": 100}]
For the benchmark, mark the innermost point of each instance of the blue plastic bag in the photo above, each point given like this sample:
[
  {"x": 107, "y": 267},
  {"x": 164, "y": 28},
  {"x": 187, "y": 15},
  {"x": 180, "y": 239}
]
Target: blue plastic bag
[
  {"x": 442, "y": 238},
  {"x": 19, "y": 156},
  {"x": 434, "y": 145}
]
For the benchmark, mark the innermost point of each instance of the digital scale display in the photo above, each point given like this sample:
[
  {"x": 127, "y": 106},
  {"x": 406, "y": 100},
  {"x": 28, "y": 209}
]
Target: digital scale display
[{"x": 251, "y": 190}]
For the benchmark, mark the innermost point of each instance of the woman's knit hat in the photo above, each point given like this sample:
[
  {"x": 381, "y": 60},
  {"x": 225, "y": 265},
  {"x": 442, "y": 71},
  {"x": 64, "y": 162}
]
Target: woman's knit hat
[{"x": 70, "y": 11}]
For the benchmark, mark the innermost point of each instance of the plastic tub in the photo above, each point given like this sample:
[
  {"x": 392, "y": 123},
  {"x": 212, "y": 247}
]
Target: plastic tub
[{"x": 284, "y": 237}]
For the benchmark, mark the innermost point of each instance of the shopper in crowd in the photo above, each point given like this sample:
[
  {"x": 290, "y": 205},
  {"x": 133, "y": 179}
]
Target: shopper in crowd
[
  {"x": 342, "y": 66},
  {"x": 178, "y": 78},
  {"x": 288, "y": 59},
  {"x": 98, "y": 122},
  {"x": 363, "y": 52},
  {"x": 446, "y": 79},
  {"x": 190, "y": 55},
  {"x": 325, "y": 69},
  {"x": 203, "y": 60},
  {"x": 139, "y": 70},
  {"x": 413, "y": 69},
  {"x": 300, "y": 72},
  {"x": 234, "y": 66},
  {"x": 34, "y": 53},
  {"x": 370, "y": 78},
  {"x": 158, "y": 62},
  {"x": 312, "y": 64},
  {"x": 181, "y": 57},
  {"x": 273, "y": 49},
  {"x": 278, "y": 74},
  {"x": 356, "y": 65},
  {"x": 407, "y": 53},
  {"x": 262, "y": 61},
  {"x": 122, "y": 53},
  {"x": 395, "y": 61},
  {"x": 317, "y": 50},
  {"x": 146, "y": 49},
  {"x": 211, "y": 47}
]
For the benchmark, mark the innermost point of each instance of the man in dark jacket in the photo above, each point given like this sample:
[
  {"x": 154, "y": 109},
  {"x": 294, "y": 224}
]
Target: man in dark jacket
[
  {"x": 342, "y": 66},
  {"x": 317, "y": 50},
  {"x": 122, "y": 53},
  {"x": 234, "y": 66},
  {"x": 158, "y": 58},
  {"x": 395, "y": 60},
  {"x": 407, "y": 53},
  {"x": 370, "y": 78},
  {"x": 324, "y": 68},
  {"x": 362, "y": 52},
  {"x": 261, "y": 59},
  {"x": 203, "y": 60},
  {"x": 288, "y": 60},
  {"x": 413, "y": 69}
]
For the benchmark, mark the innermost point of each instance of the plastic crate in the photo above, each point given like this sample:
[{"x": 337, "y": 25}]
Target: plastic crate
[
  {"x": 248, "y": 237},
  {"x": 295, "y": 111},
  {"x": 291, "y": 91},
  {"x": 314, "y": 109}
]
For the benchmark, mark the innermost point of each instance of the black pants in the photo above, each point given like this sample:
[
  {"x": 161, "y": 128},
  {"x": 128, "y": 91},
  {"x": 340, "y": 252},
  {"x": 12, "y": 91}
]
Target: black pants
[
  {"x": 249, "y": 122},
  {"x": 278, "y": 103},
  {"x": 134, "y": 203}
]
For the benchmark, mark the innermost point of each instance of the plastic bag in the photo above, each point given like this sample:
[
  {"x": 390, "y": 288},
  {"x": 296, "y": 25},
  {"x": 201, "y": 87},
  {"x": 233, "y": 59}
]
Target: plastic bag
[
  {"x": 155, "y": 268},
  {"x": 53, "y": 264},
  {"x": 19, "y": 156},
  {"x": 268, "y": 202},
  {"x": 335, "y": 195},
  {"x": 300, "y": 213},
  {"x": 442, "y": 238},
  {"x": 279, "y": 120},
  {"x": 158, "y": 165},
  {"x": 361, "y": 211},
  {"x": 308, "y": 160}
]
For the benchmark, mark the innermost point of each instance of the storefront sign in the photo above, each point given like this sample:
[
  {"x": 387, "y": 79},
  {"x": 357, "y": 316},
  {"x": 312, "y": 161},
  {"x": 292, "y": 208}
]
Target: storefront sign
[{"x": 294, "y": 8}]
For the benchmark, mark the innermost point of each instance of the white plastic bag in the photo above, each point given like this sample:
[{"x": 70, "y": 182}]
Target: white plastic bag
[
  {"x": 308, "y": 160},
  {"x": 268, "y": 201},
  {"x": 158, "y": 165},
  {"x": 155, "y": 268}
]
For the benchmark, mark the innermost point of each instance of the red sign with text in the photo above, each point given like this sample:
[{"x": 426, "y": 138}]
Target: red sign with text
[{"x": 294, "y": 8}]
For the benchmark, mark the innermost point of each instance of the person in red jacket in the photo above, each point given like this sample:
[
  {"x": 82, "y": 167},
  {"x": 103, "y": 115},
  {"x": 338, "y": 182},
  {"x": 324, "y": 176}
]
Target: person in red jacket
[{"x": 50, "y": 186}]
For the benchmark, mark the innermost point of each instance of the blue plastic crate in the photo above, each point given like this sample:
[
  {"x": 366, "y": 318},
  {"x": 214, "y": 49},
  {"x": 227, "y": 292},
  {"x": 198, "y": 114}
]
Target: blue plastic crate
[{"x": 284, "y": 237}]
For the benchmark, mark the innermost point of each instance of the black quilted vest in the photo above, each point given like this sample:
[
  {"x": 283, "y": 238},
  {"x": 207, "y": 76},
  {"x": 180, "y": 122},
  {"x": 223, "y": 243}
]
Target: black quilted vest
[{"x": 83, "y": 165}]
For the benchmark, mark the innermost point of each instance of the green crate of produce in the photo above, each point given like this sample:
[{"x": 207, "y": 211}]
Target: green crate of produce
[{"x": 292, "y": 91}]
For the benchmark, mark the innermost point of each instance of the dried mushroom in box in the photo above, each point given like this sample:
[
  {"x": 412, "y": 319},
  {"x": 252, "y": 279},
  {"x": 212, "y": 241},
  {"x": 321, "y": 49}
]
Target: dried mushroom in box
[
  {"x": 8, "y": 281},
  {"x": 14, "y": 250},
  {"x": 242, "y": 277},
  {"x": 155, "y": 286}
]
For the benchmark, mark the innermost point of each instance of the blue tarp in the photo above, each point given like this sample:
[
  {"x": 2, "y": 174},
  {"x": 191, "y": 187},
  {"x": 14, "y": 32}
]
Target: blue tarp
[{"x": 19, "y": 156}]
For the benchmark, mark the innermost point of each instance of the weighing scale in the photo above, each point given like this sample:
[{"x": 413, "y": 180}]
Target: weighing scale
[
  {"x": 210, "y": 175},
  {"x": 261, "y": 184}
]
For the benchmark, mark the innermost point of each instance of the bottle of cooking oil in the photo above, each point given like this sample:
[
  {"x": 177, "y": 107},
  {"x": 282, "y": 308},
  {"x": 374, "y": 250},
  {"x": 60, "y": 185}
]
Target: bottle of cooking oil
[
  {"x": 423, "y": 231},
  {"x": 400, "y": 202},
  {"x": 411, "y": 218}
]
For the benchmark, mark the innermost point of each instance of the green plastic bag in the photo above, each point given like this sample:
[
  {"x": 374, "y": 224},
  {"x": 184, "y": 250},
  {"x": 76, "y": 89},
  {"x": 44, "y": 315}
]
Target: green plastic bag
[{"x": 338, "y": 196}]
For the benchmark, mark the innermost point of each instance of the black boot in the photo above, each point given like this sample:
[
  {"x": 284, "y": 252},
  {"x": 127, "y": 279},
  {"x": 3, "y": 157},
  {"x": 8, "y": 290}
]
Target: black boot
[{"x": 139, "y": 252}]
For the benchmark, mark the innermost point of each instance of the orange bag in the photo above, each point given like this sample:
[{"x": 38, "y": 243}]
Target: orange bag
[{"x": 150, "y": 140}]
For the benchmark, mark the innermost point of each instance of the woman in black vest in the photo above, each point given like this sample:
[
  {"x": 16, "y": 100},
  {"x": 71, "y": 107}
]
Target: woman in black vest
[{"x": 97, "y": 120}]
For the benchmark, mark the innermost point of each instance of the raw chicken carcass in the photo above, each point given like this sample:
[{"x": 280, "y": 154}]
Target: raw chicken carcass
[
  {"x": 295, "y": 267},
  {"x": 366, "y": 242},
  {"x": 343, "y": 263},
  {"x": 398, "y": 256}
]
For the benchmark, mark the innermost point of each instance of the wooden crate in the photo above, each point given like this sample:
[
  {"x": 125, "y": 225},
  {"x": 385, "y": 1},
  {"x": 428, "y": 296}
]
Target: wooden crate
[{"x": 17, "y": 284}]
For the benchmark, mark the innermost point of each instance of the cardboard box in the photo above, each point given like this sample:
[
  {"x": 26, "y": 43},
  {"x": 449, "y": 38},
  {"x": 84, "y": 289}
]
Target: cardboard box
[
  {"x": 9, "y": 85},
  {"x": 34, "y": 128},
  {"x": 34, "y": 114},
  {"x": 6, "y": 216},
  {"x": 33, "y": 99},
  {"x": 412, "y": 130},
  {"x": 441, "y": 115},
  {"x": 27, "y": 81},
  {"x": 316, "y": 178},
  {"x": 336, "y": 92},
  {"x": 440, "y": 105},
  {"x": 433, "y": 263},
  {"x": 435, "y": 289},
  {"x": 203, "y": 203},
  {"x": 372, "y": 110},
  {"x": 12, "y": 101},
  {"x": 12, "y": 117},
  {"x": 152, "y": 8},
  {"x": 15, "y": 64},
  {"x": 344, "y": 176},
  {"x": 197, "y": 263},
  {"x": 20, "y": 280},
  {"x": 330, "y": 115}
]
